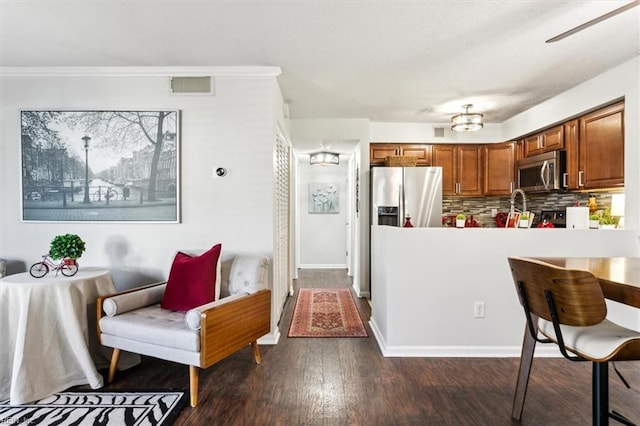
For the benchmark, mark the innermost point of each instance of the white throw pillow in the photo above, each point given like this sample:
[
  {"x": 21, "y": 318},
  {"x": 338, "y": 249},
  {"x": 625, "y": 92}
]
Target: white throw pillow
[{"x": 248, "y": 274}]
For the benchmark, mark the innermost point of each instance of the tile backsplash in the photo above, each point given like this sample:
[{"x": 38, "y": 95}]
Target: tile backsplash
[{"x": 480, "y": 207}]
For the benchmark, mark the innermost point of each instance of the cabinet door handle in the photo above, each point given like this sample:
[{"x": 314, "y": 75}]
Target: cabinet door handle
[
  {"x": 580, "y": 174},
  {"x": 512, "y": 185}
]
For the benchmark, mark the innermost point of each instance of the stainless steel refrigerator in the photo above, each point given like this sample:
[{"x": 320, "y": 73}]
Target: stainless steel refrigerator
[{"x": 400, "y": 191}]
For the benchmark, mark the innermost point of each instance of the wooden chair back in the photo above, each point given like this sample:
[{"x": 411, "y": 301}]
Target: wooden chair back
[{"x": 577, "y": 294}]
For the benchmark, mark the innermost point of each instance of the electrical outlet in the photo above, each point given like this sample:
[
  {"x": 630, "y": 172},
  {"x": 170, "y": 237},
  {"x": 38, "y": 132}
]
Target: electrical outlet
[
  {"x": 494, "y": 212},
  {"x": 478, "y": 310}
]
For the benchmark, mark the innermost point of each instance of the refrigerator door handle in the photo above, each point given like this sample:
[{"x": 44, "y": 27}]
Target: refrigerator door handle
[{"x": 401, "y": 205}]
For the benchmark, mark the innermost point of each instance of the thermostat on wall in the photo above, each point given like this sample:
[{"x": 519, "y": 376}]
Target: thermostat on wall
[{"x": 219, "y": 172}]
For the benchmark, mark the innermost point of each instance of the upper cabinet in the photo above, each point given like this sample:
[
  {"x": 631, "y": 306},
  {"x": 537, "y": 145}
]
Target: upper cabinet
[
  {"x": 571, "y": 131},
  {"x": 462, "y": 168},
  {"x": 600, "y": 150},
  {"x": 548, "y": 140},
  {"x": 499, "y": 168},
  {"x": 594, "y": 145},
  {"x": 378, "y": 152}
]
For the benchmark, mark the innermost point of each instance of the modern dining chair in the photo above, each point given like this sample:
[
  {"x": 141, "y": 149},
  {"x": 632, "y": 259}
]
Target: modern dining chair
[{"x": 567, "y": 307}]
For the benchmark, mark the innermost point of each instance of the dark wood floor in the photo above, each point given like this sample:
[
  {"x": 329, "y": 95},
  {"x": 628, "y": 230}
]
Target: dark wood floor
[{"x": 348, "y": 382}]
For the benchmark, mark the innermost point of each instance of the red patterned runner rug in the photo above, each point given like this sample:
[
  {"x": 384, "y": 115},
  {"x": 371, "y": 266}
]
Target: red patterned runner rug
[{"x": 326, "y": 313}]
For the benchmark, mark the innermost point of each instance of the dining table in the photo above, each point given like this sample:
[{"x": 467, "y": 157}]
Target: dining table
[
  {"x": 48, "y": 333},
  {"x": 619, "y": 279}
]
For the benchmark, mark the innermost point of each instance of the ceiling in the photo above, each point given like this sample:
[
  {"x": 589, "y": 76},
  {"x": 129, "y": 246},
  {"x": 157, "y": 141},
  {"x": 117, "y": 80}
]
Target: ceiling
[{"x": 388, "y": 61}]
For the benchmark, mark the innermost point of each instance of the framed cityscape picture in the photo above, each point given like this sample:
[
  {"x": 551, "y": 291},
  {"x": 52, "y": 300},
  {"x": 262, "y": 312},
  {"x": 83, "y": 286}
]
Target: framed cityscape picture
[
  {"x": 324, "y": 198},
  {"x": 100, "y": 166}
]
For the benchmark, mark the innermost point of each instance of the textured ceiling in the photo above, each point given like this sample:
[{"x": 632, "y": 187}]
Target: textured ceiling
[{"x": 414, "y": 61}]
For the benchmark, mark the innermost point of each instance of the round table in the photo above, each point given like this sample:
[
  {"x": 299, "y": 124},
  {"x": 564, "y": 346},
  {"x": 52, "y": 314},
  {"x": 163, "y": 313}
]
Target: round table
[{"x": 47, "y": 328}]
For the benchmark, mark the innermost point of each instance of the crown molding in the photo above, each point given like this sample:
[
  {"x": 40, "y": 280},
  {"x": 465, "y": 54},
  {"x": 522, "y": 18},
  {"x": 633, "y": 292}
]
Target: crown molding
[{"x": 230, "y": 71}]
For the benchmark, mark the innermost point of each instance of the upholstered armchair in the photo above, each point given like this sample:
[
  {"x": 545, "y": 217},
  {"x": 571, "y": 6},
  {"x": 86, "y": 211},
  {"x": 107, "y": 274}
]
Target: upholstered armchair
[{"x": 134, "y": 320}]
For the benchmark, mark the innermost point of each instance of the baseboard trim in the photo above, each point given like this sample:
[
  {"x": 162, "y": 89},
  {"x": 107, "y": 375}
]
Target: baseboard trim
[
  {"x": 359, "y": 293},
  {"x": 271, "y": 338},
  {"x": 323, "y": 266},
  {"x": 542, "y": 351}
]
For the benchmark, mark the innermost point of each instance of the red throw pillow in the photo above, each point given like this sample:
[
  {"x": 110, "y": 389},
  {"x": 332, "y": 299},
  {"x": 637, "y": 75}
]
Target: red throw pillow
[{"x": 192, "y": 280}]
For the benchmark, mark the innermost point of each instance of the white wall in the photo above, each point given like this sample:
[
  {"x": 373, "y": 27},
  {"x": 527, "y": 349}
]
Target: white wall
[
  {"x": 323, "y": 236},
  {"x": 424, "y": 133},
  {"x": 426, "y": 281},
  {"x": 233, "y": 129}
]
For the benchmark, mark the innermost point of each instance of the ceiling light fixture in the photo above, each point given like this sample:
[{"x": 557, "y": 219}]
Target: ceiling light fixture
[
  {"x": 324, "y": 158},
  {"x": 466, "y": 122}
]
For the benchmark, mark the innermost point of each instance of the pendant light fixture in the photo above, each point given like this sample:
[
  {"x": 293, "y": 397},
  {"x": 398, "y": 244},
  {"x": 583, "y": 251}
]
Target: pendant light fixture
[
  {"x": 466, "y": 122},
  {"x": 324, "y": 158}
]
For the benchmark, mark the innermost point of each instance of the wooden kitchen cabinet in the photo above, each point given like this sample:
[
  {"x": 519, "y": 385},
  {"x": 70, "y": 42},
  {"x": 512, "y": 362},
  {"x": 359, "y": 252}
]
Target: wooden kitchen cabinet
[
  {"x": 548, "y": 140},
  {"x": 571, "y": 134},
  {"x": 378, "y": 152},
  {"x": 601, "y": 148},
  {"x": 462, "y": 168},
  {"x": 499, "y": 168}
]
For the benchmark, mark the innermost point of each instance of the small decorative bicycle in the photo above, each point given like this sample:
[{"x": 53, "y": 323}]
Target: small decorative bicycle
[
  {"x": 105, "y": 194},
  {"x": 67, "y": 266}
]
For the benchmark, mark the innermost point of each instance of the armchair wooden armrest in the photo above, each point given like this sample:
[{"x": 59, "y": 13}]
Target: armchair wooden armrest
[{"x": 230, "y": 326}]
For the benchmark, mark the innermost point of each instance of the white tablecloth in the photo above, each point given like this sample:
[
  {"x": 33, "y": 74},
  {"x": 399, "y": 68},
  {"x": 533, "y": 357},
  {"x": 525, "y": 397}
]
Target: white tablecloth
[{"x": 47, "y": 333}]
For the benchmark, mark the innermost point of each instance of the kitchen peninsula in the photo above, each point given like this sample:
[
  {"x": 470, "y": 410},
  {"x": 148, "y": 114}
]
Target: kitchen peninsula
[{"x": 425, "y": 283}]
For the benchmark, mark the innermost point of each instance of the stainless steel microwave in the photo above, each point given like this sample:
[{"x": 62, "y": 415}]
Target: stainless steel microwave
[{"x": 543, "y": 172}]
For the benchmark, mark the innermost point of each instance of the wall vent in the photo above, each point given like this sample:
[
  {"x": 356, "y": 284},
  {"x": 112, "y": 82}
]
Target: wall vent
[
  {"x": 444, "y": 132},
  {"x": 192, "y": 85}
]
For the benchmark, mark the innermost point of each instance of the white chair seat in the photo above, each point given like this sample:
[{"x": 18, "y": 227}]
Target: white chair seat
[
  {"x": 154, "y": 325},
  {"x": 597, "y": 342}
]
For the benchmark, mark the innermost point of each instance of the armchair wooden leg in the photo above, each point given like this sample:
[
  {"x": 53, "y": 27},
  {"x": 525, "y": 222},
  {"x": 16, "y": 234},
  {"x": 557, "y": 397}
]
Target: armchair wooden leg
[
  {"x": 256, "y": 351},
  {"x": 115, "y": 355},
  {"x": 193, "y": 384}
]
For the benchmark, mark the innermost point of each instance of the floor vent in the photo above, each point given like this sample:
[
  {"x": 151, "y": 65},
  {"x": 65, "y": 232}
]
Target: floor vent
[{"x": 192, "y": 85}]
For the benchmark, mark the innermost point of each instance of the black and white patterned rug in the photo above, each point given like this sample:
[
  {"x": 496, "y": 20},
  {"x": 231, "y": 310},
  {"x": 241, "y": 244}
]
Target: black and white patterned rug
[{"x": 114, "y": 408}]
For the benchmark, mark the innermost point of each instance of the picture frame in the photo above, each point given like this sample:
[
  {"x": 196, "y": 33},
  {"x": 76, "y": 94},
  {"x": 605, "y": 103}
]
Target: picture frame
[
  {"x": 324, "y": 197},
  {"x": 100, "y": 165}
]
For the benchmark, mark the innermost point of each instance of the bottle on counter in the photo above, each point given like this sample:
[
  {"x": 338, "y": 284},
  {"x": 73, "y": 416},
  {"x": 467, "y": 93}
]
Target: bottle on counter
[{"x": 407, "y": 222}]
